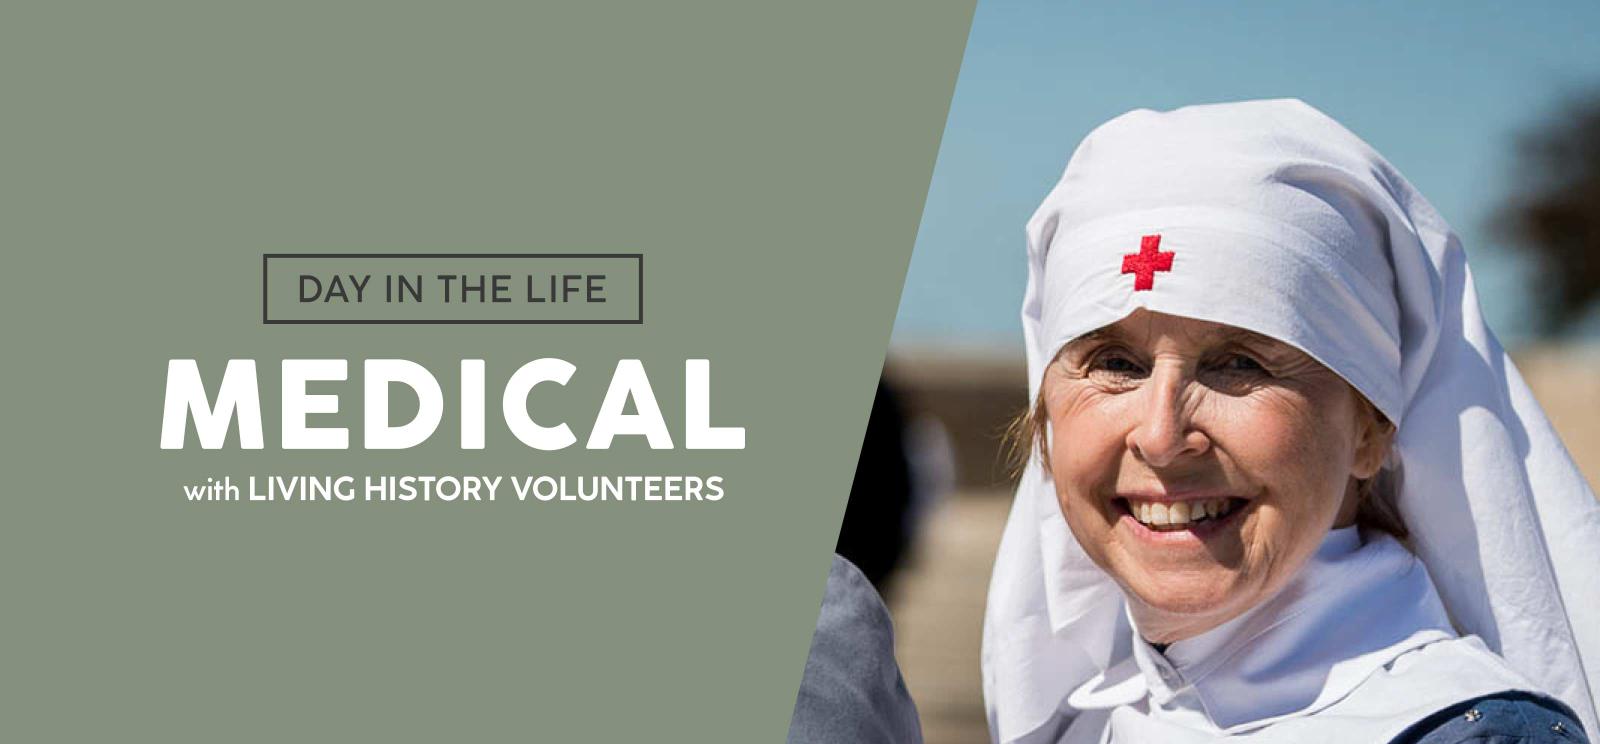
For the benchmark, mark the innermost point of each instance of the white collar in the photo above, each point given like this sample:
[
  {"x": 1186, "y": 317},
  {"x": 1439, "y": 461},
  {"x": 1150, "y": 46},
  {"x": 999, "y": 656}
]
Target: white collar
[{"x": 1354, "y": 607}]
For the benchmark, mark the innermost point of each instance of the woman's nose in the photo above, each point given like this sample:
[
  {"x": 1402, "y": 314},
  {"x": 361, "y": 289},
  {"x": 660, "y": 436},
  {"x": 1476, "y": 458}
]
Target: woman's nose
[{"x": 1164, "y": 431}]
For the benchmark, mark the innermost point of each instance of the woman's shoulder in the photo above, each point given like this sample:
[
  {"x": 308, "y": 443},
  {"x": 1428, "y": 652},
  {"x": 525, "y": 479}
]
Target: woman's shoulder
[{"x": 1508, "y": 717}]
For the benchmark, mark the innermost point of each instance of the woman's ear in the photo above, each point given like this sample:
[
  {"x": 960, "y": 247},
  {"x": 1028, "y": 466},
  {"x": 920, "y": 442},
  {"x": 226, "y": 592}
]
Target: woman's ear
[{"x": 1374, "y": 436}]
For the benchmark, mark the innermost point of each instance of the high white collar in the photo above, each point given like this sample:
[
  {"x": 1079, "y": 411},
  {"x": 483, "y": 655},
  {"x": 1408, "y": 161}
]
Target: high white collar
[{"x": 1355, "y": 606}]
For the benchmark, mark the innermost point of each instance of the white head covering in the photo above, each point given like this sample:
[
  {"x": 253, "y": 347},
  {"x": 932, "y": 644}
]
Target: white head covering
[{"x": 1270, "y": 216}]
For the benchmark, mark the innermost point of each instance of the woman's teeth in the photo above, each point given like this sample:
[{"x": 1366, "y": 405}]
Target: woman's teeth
[{"x": 1178, "y": 514}]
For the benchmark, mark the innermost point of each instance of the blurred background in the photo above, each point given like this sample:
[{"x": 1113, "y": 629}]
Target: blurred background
[{"x": 1492, "y": 110}]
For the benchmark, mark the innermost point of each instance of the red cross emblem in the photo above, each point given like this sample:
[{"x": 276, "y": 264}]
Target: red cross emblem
[{"x": 1144, "y": 264}]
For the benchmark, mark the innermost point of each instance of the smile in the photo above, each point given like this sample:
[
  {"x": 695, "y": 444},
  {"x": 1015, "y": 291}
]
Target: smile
[{"x": 1173, "y": 516}]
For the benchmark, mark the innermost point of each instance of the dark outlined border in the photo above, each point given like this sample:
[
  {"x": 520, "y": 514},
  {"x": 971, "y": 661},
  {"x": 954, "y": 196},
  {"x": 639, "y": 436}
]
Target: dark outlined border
[{"x": 266, "y": 318}]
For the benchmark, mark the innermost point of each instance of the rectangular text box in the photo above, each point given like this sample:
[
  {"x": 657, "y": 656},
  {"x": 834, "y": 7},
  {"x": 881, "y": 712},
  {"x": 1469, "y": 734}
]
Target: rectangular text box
[{"x": 432, "y": 288}]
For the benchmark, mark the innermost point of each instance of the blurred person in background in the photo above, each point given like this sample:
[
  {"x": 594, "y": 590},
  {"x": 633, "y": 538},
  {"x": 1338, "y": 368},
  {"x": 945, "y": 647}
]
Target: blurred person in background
[
  {"x": 905, "y": 467},
  {"x": 877, "y": 528}
]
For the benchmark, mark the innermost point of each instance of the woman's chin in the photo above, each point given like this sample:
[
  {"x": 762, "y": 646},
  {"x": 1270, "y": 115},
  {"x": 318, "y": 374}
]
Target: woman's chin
[
  {"x": 1199, "y": 592},
  {"x": 1187, "y": 578}
]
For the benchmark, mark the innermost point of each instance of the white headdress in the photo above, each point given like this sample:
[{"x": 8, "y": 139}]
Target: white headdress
[{"x": 1270, "y": 216}]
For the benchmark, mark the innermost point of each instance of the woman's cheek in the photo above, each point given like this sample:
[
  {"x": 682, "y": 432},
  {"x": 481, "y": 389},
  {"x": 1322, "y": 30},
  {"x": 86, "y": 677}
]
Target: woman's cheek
[
  {"x": 1084, "y": 462},
  {"x": 1074, "y": 482},
  {"x": 1276, "y": 433},
  {"x": 1292, "y": 447}
]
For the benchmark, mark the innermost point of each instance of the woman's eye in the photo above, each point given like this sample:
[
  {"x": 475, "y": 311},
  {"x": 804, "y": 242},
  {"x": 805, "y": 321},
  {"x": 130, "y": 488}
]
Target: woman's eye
[
  {"x": 1241, "y": 363},
  {"x": 1116, "y": 364}
]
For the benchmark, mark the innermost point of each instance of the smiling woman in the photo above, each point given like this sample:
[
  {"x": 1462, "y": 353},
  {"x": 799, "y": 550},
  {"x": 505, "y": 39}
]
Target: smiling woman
[
  {"x": 1200, "y": 465},
  {"x": 1255, "y": 359}
]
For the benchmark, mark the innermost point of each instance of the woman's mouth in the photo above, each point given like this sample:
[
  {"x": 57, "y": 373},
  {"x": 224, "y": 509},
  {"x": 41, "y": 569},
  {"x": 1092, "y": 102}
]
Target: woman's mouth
[{"x": 1192, "y": 515}]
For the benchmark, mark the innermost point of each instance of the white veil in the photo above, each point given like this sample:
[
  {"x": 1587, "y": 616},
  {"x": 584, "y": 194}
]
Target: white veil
[{"x": 1281, "y": 221}]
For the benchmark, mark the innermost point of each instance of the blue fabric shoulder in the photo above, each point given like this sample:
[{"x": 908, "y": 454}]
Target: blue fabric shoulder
[
  {"x": 1502, "y": 718},
  {"x": 852, "y": 690}
]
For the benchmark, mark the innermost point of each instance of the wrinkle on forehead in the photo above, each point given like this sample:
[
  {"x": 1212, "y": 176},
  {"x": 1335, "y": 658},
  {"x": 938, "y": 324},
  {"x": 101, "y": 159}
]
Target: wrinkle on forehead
[{"x": 1192, "y": 330}]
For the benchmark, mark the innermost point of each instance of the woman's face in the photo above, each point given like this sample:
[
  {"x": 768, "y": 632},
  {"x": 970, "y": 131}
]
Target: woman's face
[{"x": 1201, "y": 465}]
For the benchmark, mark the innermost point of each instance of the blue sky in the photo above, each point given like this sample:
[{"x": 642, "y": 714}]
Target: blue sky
[{"x": 1442, "y": 89}]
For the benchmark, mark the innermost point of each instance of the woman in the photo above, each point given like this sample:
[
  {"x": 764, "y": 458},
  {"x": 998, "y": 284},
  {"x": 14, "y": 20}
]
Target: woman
[{"x": 1286, "y": 484}]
